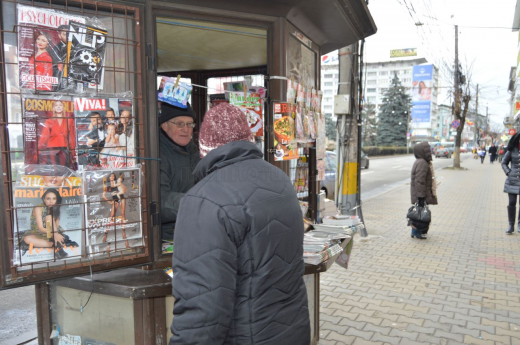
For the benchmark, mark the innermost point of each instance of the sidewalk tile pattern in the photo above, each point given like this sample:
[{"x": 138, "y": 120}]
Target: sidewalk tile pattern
[{"x": 460, "y": 286}]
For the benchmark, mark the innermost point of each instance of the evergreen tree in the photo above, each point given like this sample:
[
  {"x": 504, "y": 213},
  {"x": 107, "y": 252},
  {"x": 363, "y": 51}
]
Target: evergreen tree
[
  {"x": 330, "y": 128},
  {"x": 369, "y": 124},
  {"x": 394, "y": 115}
]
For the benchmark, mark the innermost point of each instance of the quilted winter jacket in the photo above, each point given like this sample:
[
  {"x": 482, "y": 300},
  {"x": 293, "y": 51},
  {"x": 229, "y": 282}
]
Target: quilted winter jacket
[
  {"x": 238, "y": 255},
  {"x": 177, "y": 166},
  {"x": 512, "y": 184},
  {"x": 421, "y": 181}
]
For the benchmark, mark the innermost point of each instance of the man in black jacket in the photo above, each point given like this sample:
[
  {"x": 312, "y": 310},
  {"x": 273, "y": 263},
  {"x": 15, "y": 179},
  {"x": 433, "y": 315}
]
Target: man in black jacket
[
  {"x": 179, "y": 156},
  {"x": 238, "y": 258},
  {"x": 492, "y": 153}
]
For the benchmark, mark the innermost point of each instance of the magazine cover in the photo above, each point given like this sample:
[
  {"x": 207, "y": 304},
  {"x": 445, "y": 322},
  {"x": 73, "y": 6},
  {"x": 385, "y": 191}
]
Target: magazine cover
[
  {"x": 86, "y": 54},
  {"x": 105, "y": 132},
  {"x": 113, "y": 209},
  {"x": 284, "y": 132},
  {"x": 42, "y": 47},
  {"x": 49, "y": 132},
  {"x": 48, "y": 220},
  {"x": 251, "y": 106},
  {"x": 177, "y": 96}
]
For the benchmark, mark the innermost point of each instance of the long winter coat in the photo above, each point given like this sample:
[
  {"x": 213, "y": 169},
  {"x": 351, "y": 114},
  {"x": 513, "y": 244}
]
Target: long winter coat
[
  {"x": 177, "y": 165},
  {"x": 512, "y": 184},
  {"x": 422, "y": 179},
  {"x": 238, "y": 255}
]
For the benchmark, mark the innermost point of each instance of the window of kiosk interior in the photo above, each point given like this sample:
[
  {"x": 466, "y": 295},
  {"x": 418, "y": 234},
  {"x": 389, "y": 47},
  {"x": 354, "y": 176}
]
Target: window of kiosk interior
[
  {"x": 302, "y": 69},
  {"x": 215, "y": 53},
  {"x": 72, "y": 130}
]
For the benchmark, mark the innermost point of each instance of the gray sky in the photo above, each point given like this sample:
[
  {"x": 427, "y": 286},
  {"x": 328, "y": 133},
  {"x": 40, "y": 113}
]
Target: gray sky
[{"x": 491, "y": 51}]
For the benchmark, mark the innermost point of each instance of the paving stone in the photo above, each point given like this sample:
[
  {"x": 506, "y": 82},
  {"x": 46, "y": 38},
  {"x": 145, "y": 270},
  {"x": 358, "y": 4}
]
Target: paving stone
[
  {"x": 508, "y": 319},
  {"x": 405, "y": 341},
  {"x": 341, "y": 329},
  {"x": 442, "y": 313},
  {"x": 344, "y": 313},
  {"x": 404, "y": 334},
  {"x": 418, "y": 329},
  {"x": 368, "y": 319},
  {"x": 410, "y": 320},
  {"x": 329, "y": 318},
  {"x": 377, "y": 329},
  {"x": 502, "y": 339},
  {"x": 385, "y": 339},
  {"x": 340, "y": 338},
  {"x": 466, "y": 331},
  {"x": 453, "y": 336},
  {"x": 361, "y": 341},
  {"x": 360, "y": 334},
  {"x": 507, "y": 332},
  {"x": 346, "y": 323},
  {"x": 470, "y": 340}
]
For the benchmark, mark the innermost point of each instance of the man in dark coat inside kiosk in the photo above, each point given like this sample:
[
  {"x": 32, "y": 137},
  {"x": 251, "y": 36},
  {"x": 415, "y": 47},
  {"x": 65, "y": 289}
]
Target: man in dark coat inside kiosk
[{"x": 238, "y": 245}]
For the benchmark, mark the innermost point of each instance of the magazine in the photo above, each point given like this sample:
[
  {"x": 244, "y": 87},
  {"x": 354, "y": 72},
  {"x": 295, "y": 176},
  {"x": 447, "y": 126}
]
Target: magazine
[
  {"x": 86, "y": 55},
  {"x": 113, "y": 209},
  {"x": 42, "y": 47},
  {"x": 105, "y": 132},
  {"x": 251, "y": 106},
  {"x": 49, "y": 132},
  {"x": 175, "y": 95},
  {"x": 48, "y": 221},
  {"x": 284, "y": 132}
]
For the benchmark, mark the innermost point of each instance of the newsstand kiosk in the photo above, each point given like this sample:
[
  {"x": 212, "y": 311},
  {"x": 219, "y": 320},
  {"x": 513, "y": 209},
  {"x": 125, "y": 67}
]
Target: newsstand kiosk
[{"x": 79, "y": 140}]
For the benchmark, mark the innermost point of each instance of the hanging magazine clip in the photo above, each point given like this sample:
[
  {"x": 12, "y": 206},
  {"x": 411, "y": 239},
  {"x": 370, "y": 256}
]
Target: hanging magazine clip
[{"x": 177, "y": 81}]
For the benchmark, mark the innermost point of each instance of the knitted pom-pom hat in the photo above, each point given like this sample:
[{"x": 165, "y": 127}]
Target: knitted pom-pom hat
[{"x": 223, "y": 124}]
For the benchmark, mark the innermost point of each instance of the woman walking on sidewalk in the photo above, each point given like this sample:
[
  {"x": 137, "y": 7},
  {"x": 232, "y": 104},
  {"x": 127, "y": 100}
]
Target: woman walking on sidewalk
[
  {"x": 512, "y": 184},
  {"x": 423, "y": 187}
]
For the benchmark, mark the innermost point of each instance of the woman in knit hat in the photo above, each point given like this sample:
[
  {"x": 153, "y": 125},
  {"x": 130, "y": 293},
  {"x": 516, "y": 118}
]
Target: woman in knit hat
[{"x": 238, "y": 258}]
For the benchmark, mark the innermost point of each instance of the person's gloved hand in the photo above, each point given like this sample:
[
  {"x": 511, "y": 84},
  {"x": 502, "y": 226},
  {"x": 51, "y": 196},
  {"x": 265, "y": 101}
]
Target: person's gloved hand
[{"x": 421, "y": 201}]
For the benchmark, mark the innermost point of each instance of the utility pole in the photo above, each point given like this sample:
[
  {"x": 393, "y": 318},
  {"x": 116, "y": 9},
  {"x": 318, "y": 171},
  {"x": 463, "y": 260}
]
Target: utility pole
[
  {"x": 347, "y": 176},
  {"x": 456, "y": 107},
  {"x": 487, "y": 122},
  {"x": 476, "y": 120}
]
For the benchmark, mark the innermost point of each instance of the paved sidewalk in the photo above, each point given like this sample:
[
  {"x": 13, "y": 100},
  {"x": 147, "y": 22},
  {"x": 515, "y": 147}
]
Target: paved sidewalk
[{"x": 460, "y": 286}]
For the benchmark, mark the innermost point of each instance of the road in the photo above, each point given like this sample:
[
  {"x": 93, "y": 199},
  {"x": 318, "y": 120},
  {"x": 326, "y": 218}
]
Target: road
[{"x": 390, "y": 172}]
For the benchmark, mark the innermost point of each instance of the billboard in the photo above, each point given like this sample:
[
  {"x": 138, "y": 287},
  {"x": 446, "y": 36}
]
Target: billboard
[
  {"x": 422, "y": 83},
  {"x": 330, "y": 58},
  {"x": 403, "y": 52}
]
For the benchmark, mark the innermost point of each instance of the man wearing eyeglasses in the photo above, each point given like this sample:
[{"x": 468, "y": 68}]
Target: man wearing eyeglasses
[{"x": 179, "y": 156}]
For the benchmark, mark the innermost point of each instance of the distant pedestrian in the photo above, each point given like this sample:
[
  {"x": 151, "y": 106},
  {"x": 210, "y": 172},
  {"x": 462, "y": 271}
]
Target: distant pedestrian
[
  {"x": 482, "y": 154},
  {"x": 492, "y": 153},
  {"x": 423, "y": 187},
  {"x": 475, "y": 152},
  {"x": 512, "y": 184},
  {"x": 501, "y": 152}
]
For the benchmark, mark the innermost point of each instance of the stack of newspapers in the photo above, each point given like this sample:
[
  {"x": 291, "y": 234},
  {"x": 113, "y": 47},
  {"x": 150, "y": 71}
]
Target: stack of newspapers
[{"x": 324, "y": 241}]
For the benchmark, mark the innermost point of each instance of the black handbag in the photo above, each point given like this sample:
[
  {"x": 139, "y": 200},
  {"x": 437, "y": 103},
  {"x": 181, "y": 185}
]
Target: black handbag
[{"x": 418, "y": 213}]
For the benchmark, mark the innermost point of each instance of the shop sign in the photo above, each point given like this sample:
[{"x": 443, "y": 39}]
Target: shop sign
[{"x": 403, "y": 52}]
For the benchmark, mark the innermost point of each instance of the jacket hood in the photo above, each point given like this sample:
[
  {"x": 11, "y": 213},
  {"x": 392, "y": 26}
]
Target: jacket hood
[
  {"x": 225, "y": 155},
  {"x": 423, "y": 150}
]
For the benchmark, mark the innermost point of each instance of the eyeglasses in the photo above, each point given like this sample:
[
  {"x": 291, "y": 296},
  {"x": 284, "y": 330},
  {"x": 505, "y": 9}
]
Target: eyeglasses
[{"x": 183, "y": 124}]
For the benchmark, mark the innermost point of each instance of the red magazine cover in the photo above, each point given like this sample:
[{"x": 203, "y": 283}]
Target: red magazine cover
[
  {"x": 49, "y": 132},
  {"x": 42, "y": 47}
]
